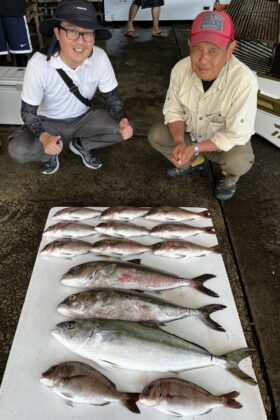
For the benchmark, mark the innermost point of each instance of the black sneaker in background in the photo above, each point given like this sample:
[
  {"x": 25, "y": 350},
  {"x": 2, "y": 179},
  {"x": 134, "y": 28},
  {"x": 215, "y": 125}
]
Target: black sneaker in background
[
  {"x": 51, "y": 166},
  {"x": 89, "y": 158}
]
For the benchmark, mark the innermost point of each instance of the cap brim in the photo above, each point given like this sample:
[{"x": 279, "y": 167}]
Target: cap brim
[
  {"x": 47, "y": 25},
  {"x": 218, "y": 40}
]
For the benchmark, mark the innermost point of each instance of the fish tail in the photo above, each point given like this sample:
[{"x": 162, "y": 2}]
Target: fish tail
[
  {"x": 233, "y": 358},
  {"x": 205, "y": 213},
  {"x": 198, "y": 283},
  {"x": 209, "y": 229},
  {"x": 129, "y": 401},
  {"x": 216, "y": 249},
  {"x": 229, "y": 400},
  {"x": 204, "y": 315}
]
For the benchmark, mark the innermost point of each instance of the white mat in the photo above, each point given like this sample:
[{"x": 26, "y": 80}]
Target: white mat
[{"x": 34, "y": 349}]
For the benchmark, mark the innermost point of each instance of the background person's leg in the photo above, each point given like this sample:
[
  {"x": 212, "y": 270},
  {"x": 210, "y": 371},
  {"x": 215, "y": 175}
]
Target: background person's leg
[
  {"x": 130, "y": 25},
  {"x": 156, "y": 31}
]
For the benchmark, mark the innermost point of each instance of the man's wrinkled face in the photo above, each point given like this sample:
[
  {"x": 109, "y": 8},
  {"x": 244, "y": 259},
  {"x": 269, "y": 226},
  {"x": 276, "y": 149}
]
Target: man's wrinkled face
[
  {"x": 74, "y": 51},
  {"x": 208, "y": 60}
]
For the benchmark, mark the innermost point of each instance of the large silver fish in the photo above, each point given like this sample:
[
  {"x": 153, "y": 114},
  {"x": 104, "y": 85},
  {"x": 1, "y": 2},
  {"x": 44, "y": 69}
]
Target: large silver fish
[
  {"x": 175, "y": 214},
  {"x": 180, "y": 398},
  {"x": 118, "y": 247},
  {"x": 76, "y": 213},
  {"x": 135, "y": 346},
  {"x": 131, "y": 306},
  {"x": 66, "y": 249},
  {"x": 81, "y": 383},
  {"x": 182, "y": 249},
  {"x": 69, "y": 230},
  {"x": 121, "y": 229},
  {"x": 178, "y": 230},
  {"x": 122, "y": 213},
  {"x": 128, "y": 275}
]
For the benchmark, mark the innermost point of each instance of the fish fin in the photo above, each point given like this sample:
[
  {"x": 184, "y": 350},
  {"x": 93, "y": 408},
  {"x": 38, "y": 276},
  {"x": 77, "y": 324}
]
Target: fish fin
[
  {"x": 197, "y": 283},
  {"x": 135, "y": 261},
  {"x": 233, "y": 358},
  {"x": 229, "y": 400},
  {"x": 106, "y": 403},
  {"x": 205, "y": 213},
  {"x": 107, "y": 364},
  {"x": 138, "y": 291},
  {"x": 152, "y": 324},
  {"x": 70, "y": 403},
  {"x": 209, "y": 229},
  {"x": 216, "y": 249},
  {"x": 129, "y": 401},
  {"x": 204, "y": 316}
]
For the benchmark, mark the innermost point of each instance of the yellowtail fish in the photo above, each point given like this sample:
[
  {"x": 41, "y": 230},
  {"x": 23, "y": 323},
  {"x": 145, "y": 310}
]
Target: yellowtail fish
[
  {"x": 130, "y": 275},
  {"x": 132, "y": 306},
  {"x": 136, "y": 346}
]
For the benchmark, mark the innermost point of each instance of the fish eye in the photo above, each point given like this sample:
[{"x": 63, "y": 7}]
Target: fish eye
[
  {"x": 70, "y": 325},
  {"x": 72, "y": 297}
]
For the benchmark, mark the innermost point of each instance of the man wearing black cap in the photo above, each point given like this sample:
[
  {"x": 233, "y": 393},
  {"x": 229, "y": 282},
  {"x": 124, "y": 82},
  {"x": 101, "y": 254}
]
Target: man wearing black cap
[{"x": 58, "y": 87}]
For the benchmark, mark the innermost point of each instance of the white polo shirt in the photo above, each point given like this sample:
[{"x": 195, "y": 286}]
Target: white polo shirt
[
  {"x": 44, "y": 87},
  {"x": 225, "y": 113}
]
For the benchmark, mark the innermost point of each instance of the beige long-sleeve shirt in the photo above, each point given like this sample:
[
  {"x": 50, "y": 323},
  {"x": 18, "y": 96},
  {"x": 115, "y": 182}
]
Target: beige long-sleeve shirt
[{"x": 224, "y": 114}]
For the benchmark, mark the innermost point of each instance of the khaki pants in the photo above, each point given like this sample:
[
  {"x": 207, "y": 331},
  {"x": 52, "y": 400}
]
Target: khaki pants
[{"x": 234, "y": 163}]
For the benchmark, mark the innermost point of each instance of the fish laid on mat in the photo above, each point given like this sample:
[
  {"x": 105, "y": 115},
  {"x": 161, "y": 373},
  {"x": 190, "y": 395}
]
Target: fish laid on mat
[
  {"x": 122, "y": 213},
  {"x": 66, "y": 249},
  {"x": 118, "y": 247},
  {"x": 78, "y": 382},
  {"x": 139, "y": 347},
  {"x": 76, "y": 213},
  {"x": 178, "y": 230},
  {"x": 176, "y": 214},
  {"x": 132, "y": 306},
  {"x": 121, "y": 229},
  {"x": 129, "y": 275},
  {"x": 69, "y": 230},
  {"x": 182, "y": 249},
  {"x": 180, "y": 398}
]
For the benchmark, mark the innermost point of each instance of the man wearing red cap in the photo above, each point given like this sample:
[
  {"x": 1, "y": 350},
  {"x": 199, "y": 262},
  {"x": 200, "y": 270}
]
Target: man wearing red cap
[
  {"x": 57, "y": 90},
  {"x": 210, "y": 106}
]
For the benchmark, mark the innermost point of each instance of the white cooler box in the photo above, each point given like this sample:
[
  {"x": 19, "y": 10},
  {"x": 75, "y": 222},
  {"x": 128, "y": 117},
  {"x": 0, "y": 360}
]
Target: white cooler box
[
  {"x": 267, "y": 122},
  {"x": 117, "y": 10},
  {"x": 11, "y": 81}
]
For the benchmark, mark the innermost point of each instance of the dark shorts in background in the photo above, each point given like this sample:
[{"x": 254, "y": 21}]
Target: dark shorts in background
[
  {"x": 14, "y": 35},
  {"x": 146, "y": 4}
]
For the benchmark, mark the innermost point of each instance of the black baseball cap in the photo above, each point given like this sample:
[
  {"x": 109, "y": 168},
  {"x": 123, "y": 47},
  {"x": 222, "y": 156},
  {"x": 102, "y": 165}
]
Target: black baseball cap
[{"x": 79, "y": 13}]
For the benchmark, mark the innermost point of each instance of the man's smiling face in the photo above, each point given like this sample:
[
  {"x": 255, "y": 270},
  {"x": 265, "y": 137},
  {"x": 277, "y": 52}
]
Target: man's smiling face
[{"x": 73, "y": 52}]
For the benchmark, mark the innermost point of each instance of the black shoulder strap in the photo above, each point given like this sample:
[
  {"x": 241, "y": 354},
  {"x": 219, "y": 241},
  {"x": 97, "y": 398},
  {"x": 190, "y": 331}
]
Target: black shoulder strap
[{"x": 72, "y": 87}]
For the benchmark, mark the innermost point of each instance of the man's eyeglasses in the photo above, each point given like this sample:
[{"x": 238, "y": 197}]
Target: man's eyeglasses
[{"x": 74, "y": 35}]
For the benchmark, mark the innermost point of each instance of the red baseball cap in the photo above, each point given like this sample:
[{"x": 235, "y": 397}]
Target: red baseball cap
[{"x": 214, "y": 27}]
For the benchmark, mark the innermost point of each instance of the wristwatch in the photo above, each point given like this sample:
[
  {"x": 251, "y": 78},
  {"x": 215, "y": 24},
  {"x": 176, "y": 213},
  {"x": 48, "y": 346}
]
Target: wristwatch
[{"x": 196, "y": 151}]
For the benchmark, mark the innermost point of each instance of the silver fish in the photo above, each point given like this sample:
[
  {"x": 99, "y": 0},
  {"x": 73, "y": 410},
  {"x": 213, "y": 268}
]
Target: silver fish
[
  {"x": 135, "y": 346},
  {"x": 131, "y": 306},
  {"x": 178, "y": 230},
  {"x": 129, "y": 275},
  {"x": 180, "y": 398},
  {"x": 118, "y": 247},
  {"x": 66, "y": 249},
  {"x": 175, "y": 214},
  {"x": 182, "y": 249},
  {"x": 121, "y": 229},
  {"x": 122, "y": 213},
  {"x": 76, "y": 213},
  {"x": 69, "y": 230},
  {"x": 81, "y": 383}
]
